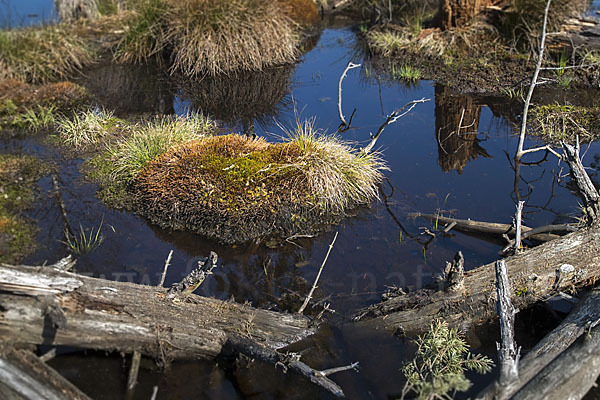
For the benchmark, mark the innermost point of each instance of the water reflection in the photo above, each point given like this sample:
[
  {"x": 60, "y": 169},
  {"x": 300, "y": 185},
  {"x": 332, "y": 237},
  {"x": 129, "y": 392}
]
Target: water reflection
[
  {"x": 130, "y": 89},
  {"x": 456, "y": 127},
  {"x": 240, "y": 100}
]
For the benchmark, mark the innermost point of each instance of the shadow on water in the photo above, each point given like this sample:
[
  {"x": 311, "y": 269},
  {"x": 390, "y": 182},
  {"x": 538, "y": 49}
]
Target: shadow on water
[{"x": 447, "y": 156}]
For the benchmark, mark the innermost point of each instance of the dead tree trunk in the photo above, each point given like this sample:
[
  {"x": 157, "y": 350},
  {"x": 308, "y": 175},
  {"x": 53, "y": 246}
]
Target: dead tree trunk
[
  {"x": 458, "y": 13},
  {"x": 71, "y": 10},
  {"x": 561, "y": 264}
]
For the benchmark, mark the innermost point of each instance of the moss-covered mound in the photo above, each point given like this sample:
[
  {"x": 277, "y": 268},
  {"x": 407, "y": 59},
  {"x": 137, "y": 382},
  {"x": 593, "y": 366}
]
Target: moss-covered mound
[
  {"x": 18, "y": 175},
  {"x": 25, "y": 106},
  {"x": 234, "y": 188}
]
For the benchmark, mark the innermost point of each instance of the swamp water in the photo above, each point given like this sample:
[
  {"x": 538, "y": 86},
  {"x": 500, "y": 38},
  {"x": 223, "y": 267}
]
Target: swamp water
[{"x": 432, "y": 170}]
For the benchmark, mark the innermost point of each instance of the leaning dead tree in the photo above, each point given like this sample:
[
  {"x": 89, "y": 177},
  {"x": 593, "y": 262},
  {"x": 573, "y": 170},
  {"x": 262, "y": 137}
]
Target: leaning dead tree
[
  {"x": 559, "y": 265},
  {"x": 48, "y": 306}
]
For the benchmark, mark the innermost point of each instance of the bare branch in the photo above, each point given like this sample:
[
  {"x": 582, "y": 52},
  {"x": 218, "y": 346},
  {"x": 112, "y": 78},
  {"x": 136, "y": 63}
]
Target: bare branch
[
  {"x": 518, "y": 226},
  {"x": 331, "y": 371},
  {"x": 350, "y": 66},
  {"x": 393, "y": 117}
]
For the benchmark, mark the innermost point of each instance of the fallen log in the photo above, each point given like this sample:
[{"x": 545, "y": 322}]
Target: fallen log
[
  {"x": 48, "y": 306},
  {"x": 585, "y": 315},
  {"x": 25, "y": 376},
  {"x": 488, "y": 228},
  {"x": 559, "y": 265}
]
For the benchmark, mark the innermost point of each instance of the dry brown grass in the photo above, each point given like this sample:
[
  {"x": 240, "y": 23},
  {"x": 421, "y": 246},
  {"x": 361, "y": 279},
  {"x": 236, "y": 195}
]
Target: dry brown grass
[
  {"x": 215, "y": 36},
  {"x": 40, "y": 55}
]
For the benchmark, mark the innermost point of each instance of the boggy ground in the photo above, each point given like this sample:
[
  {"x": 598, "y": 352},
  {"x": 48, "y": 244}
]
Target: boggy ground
[{"x": 491, "y": 54}]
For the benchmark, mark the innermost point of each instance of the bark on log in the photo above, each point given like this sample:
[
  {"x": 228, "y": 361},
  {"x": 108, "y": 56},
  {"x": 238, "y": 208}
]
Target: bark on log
[
  {"x": 47, "y": 306},
  {"x": 561, "y": 264},
  {"x": 584, "y": 315},
  {"x": 24, "y": 376},
  {"x": 489, "y": 228},
  {"x": 585, "y": 187}
]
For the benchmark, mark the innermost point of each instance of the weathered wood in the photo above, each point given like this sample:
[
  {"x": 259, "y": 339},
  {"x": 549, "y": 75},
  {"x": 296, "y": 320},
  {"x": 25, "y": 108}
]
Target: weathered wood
[
  {"x": 107, "y": 315},
  {"x": 585, "y": 314},
  {"x": 23, "y": 374},
  {"x": 508, "y": 353},
  {"x": 562, "y": 264},
  {"x": 488, "y": 228},
  {"x": 571, "y": 375}
]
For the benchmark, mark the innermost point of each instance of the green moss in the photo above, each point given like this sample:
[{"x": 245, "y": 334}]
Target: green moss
[
  {"x": 555, "y": 122},
  {"x": 18, "y": 175}
]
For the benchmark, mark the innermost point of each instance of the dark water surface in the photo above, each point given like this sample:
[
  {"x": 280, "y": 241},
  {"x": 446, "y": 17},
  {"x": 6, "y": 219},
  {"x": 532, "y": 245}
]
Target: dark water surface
[{"x": 431, "y": 170}]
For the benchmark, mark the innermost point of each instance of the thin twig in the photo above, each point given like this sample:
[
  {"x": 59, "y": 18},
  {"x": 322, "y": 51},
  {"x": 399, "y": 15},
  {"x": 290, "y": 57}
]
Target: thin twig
[
  {"x": 393, "y": 117},
  {"x": 350, "y": 66},
  {"x": 167, "y": 264},
  {"x": 532, "y": 85},
  {"x": 312, "y": 290}
]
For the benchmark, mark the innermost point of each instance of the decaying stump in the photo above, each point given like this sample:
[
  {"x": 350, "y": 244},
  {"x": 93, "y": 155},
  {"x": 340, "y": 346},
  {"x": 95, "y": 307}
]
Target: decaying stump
[
  {"x": 458, "y": 13},
  {"x": 70, "y": 10},
  {"x": 559, "y": 265}
]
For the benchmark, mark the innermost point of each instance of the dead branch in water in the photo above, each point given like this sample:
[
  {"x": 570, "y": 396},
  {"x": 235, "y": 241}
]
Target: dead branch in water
[
  {"x": 393, "y": 117},
  {"x": 312, "y": 290},
  {"x": 344, "y": 125}
]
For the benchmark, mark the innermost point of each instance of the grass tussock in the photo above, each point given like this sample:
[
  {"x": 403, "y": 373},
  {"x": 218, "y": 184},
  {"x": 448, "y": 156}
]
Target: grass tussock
[
  {"x": 208, "y": 37},
  {"x": 18, "y": 176},
  {"x": 215, "y": 36},
  {"x": 86, "y": 130},
  {"x": 40, "y": 55},
  {"x": 235, "y": 188},
  {"x": 555, "y": 123},
  {"x": 431, "y": 42},
  {"x": 147, "y": 142},
  {"x": 338, "y": 175}
]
